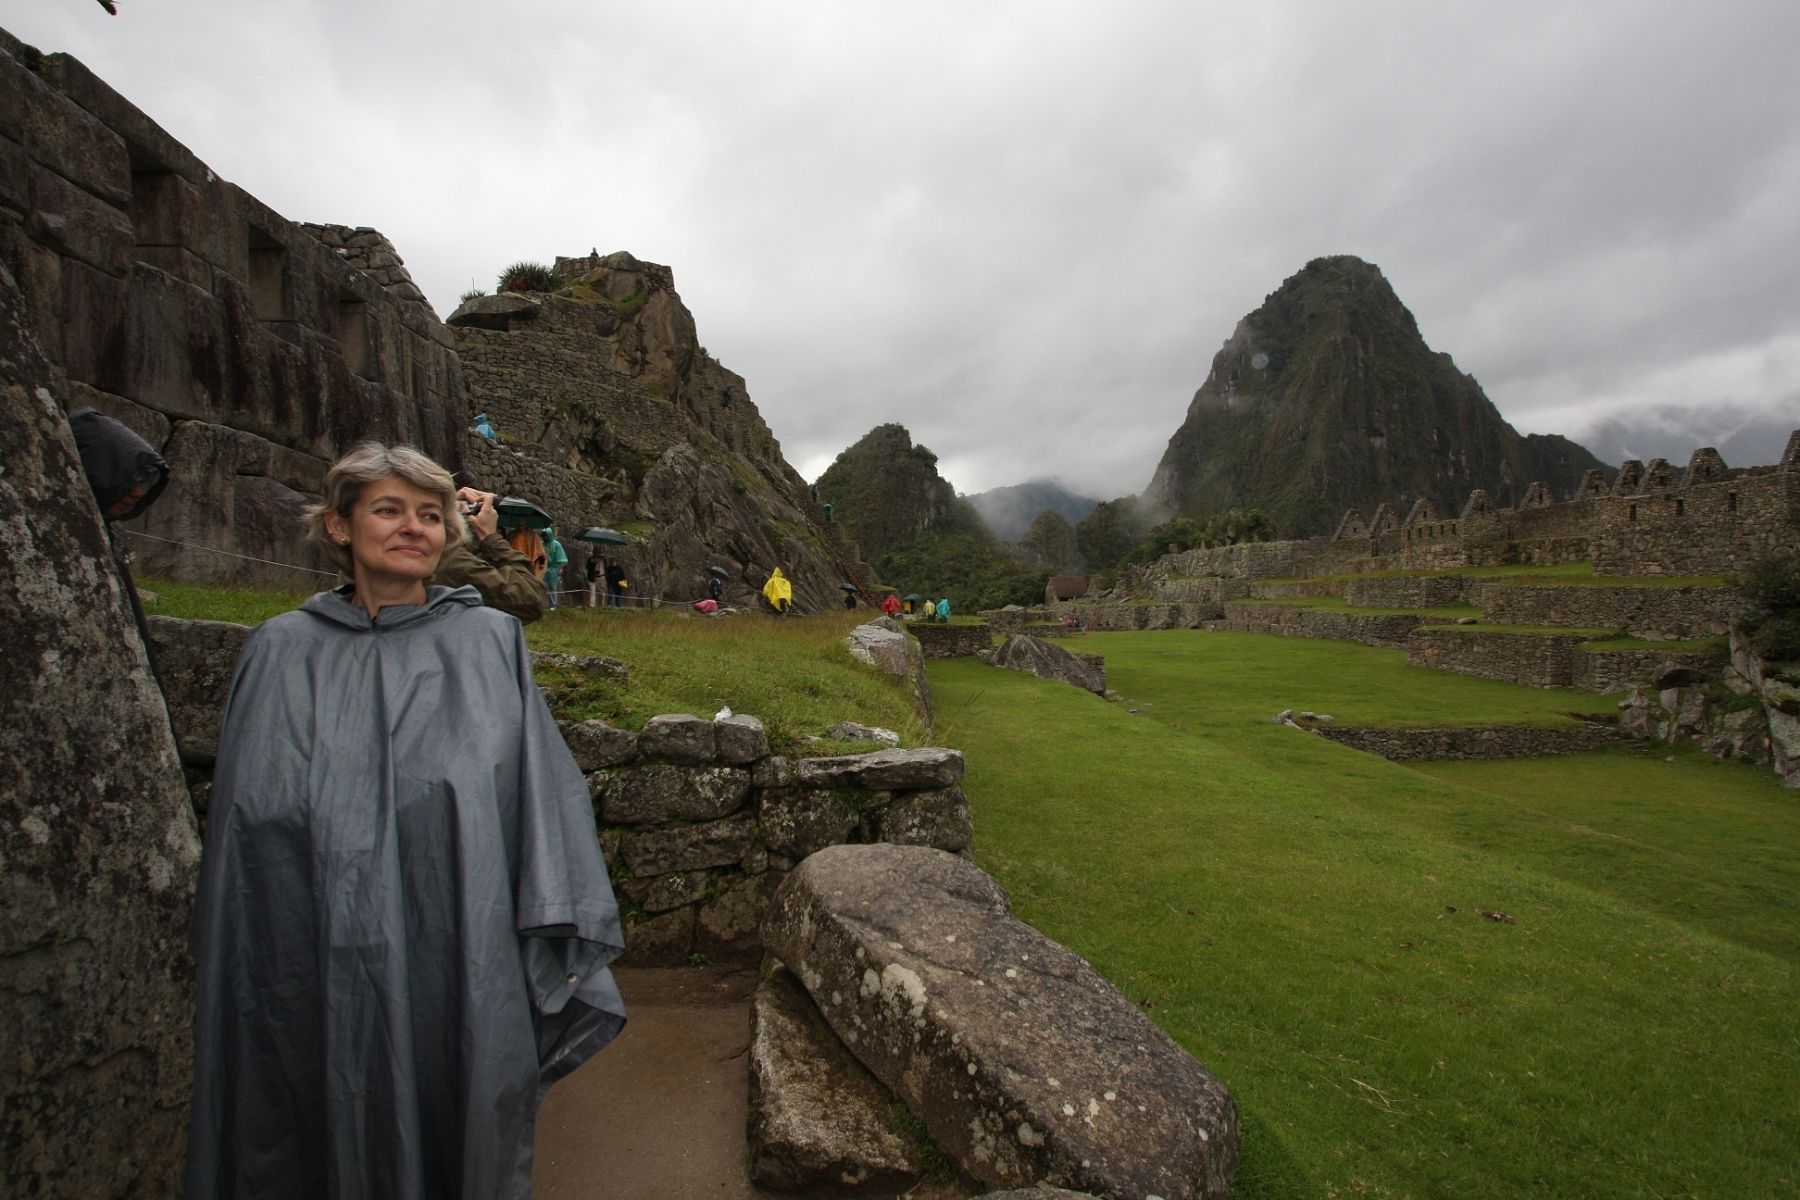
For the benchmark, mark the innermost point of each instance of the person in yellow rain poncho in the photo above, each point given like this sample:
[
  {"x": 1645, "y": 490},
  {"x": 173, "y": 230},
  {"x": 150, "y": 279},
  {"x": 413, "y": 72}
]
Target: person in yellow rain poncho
[{"x": 779, "y": 592}]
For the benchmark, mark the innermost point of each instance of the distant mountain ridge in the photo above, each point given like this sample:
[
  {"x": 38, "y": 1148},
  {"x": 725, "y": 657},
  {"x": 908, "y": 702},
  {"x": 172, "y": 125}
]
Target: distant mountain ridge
[
  {"x": 1009, "y": 511},
  {"x": 1327, "y": 398}
]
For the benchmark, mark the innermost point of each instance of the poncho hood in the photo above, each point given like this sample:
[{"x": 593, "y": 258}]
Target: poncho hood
[
  {"x": 116, "y": 460},
  {"x": 339, "y": 606}
]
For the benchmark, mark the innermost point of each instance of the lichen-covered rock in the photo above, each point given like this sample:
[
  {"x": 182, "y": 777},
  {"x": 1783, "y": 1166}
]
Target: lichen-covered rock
[
  {"x": 1024, "y": 1064},
  {"x": 679, "y": 738},
  {"x": 855, "y": 731},
  {"x": 774, "y": 771},
  {"x": 597, "y": 745},
  {"x": 798, "y": 821},
  {"x": 742, "y": 740},
  {"x": 660, "y": 893},
  {"x": 938, "y": 818},
  {"x": 500, "y": 312},
  {"x": 885, "y": 644},
  {"x": 655, "y": 792},
  {"x": 196, "y": 660},
  {"x": 690, "y": 847},
  {"x": 728, "y": 926},
  {"x": 96, "y": 831},
  {"x": 884, "y": 770},
  {"x": 819, "y": 1122},
  {"x": 1047, "y": 660}
]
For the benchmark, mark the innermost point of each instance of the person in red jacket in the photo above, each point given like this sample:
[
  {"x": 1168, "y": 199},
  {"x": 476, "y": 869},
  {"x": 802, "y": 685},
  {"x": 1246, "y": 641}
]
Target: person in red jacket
[{"x": 891, "y": 605}]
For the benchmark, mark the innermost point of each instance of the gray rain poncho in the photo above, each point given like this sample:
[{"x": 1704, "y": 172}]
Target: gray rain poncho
[{"x": 403, "y": 922}]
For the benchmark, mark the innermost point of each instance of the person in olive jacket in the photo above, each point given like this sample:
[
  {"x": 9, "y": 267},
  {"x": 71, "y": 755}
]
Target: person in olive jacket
[{"x": 483, "y": 560}]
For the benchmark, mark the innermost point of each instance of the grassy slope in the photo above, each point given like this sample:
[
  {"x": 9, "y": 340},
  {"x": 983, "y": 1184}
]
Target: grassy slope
[{"x": 1284, "y": 907}]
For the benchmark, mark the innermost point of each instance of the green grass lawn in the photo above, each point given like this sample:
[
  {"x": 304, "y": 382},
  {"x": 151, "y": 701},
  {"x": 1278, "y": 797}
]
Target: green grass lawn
[
  {"x": 793, "y": 673},
  {"x": 1308, "y": 920}
]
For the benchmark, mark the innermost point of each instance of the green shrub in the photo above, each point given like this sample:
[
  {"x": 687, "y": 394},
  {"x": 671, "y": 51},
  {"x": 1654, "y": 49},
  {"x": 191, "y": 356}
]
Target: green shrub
[
  {"x": 528, "y": 277},
  {"x": 473, "y": 293},
  {"x": 1773, "y": 584}
]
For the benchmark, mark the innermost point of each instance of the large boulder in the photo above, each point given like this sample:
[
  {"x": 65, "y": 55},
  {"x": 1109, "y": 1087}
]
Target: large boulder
[
  {"x": 885, "y": 644},
  {"x": 96, "y": 832},
  {"x": 1023, "y": 1063},
  {"x": 819, "y": 1122},
  {"x": 1047, "y": 660}
]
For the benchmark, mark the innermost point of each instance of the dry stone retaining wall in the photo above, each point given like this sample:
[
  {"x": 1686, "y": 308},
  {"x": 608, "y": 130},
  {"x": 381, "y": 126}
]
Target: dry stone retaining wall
[
  {"x": 1406, "y": 591},
  {"x": 951, "y": 641},
  {"x": 1477, "y": 742},
  {"x": 1535, "y": 660},
  {"x": 1617, "y": 670},
  {"x": 1388, "y": 631},
  {"x": 1658, "y": 613}
]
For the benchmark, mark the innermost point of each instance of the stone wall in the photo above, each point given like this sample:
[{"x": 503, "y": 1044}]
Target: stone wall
[
  {"x": 1474, "y": 742},
  {"x": 1406, "y": 591},
  {"x": 231, "y": 339},
  {"x": 1535, "y": 660},
  {"x": 701, "y": 823},
  {"x": 1620, "y": 670},
  {"x": 1656, "y": 613},
  {"x": 1389, "y": 631},
  {"x": 699, "y": 820},
  {"x": 951, "y": 641},
  {"x": 1700, "y": 528}
]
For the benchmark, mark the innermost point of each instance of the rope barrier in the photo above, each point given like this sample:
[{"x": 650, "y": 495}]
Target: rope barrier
[{"x": 268, "y": 562}]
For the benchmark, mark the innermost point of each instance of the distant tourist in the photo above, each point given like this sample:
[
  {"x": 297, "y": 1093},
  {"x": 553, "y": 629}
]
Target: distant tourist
[
  {"x": 404, "y": 921},
  {"x": 484, "y": 429},
  {"x": 593, "y": 578},
  {"x": 556, "y": 559},
  {"x": 779, "y": 592},
  {"x": 715, "y": 589},
  {"x": 943, "y": 609},
  {"x": 615, "y": 583},
  {"x": 890, "y": 605}
]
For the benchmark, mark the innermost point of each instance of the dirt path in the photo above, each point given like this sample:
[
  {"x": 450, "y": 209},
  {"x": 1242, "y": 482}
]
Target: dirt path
[{"x": 659, "y": 1114}]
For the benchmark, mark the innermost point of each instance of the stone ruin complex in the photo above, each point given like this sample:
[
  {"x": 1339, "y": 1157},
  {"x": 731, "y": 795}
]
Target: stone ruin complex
[{"x": 252, "y": 350}]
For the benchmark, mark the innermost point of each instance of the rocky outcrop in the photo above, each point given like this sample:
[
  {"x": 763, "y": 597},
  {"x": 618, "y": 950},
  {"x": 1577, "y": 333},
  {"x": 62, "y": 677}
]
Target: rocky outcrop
[
  {"x": 96, "y": 830},
  {"x": 1021, "y": 1061},
  {"x": 1745, "y": 708},
  {"x": 1047, "y": 660},
  {"x": 610, "y": 411}
]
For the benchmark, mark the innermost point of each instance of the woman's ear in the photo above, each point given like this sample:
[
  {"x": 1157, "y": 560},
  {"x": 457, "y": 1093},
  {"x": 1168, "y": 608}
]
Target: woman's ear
[{"x": 338, "y": 527}]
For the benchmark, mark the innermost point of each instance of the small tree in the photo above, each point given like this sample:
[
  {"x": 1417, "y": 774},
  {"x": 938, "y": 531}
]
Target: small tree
[{"x": 1773, "y": 584}]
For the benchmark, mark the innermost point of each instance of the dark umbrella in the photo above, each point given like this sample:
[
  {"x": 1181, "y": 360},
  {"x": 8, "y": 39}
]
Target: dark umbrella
[
  {"x": 599, "y": 534},
  {"x": 721, "y": 572},
  {"x": 849, "y": 587},
  {"x": 913, "y": 596},
  {"x": 515, "y": 511}
]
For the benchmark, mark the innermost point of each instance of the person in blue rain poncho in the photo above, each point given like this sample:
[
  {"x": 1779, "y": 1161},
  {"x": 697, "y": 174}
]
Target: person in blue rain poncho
[{"x": 404, "y": 923}]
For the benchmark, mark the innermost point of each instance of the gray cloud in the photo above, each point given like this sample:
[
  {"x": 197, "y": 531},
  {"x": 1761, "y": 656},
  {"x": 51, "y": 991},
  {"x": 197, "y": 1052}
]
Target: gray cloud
[{"x": 1022, "y": 229}]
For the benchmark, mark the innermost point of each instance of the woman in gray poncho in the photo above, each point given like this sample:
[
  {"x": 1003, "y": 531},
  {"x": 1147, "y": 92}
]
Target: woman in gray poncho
[{"x": 404, "y": 921}]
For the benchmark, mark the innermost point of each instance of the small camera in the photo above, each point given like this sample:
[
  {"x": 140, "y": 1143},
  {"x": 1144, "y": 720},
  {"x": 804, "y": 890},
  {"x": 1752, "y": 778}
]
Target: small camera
[{"x": 471, "y": 508}]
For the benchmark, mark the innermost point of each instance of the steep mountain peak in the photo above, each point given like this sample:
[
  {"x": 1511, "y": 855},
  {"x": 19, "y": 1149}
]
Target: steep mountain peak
[
  {"x": 888, "y": 491},
  {"x": 1326, "y": 397}
]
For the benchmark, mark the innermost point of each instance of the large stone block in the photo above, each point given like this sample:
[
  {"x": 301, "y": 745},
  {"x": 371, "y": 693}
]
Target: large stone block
[
  {"x": 938, "y": 818},
  {"x": 96, "y": 833},
  {"x": 819, "y": 1122},
  {"x": 657, "y": 792},
  {"x": 714, "y": 844},
  {"x": 679, "y": 738},
  {"x": 597, "y": 745},
  {"x": 884, "y": 770},
  {"x": 78, "y": 224},
  {"x": 196, "y": 660},
  {"x": 1047, "y": 660},
  {"x": 742, "y": 740},
  {"x": 60, "y": 135},
  {"x": 798, "y": 821},
  {"x": 728, "y": 926},
  {"x": 1024, "y": 1064},
  {"x": 664, "y": 940}
]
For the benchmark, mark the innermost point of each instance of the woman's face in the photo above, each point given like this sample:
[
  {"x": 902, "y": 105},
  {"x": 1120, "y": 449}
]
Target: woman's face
[{"x": 395, "y": 532}]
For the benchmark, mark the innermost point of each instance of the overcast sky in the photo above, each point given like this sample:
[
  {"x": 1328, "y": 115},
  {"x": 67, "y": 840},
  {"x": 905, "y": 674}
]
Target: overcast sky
[{"x": 1023, "y": 229}]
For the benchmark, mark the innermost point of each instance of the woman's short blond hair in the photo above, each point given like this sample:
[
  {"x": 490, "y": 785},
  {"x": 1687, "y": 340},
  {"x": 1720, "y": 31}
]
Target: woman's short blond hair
[{"x": 371, "y": 462}]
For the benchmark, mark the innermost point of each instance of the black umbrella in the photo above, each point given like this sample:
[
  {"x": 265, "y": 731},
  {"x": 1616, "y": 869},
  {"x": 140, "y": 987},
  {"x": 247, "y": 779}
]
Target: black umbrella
[
  {"x": 599, "y": 534},
  {"x": 515, "y": 511},
  {"x": 849, "y": 587},
  {"x": 721, "y": 572}
]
